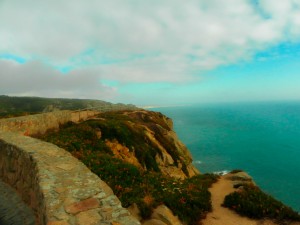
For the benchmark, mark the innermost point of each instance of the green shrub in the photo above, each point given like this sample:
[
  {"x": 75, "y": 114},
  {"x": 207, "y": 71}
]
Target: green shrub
[
  {"x": 77, "y": 138},
  {"x": 253, "y": 203}
]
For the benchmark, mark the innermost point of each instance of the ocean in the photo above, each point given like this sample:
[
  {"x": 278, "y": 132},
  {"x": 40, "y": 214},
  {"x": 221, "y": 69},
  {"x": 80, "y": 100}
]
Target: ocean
[{"x": 262, "y": 139}]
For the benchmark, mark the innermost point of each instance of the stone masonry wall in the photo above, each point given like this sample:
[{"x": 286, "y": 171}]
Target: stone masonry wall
[
  {"x": 18, "y": 169},
  {"x": 40, "y": 123},
  {"x": 60, "y": 189}
]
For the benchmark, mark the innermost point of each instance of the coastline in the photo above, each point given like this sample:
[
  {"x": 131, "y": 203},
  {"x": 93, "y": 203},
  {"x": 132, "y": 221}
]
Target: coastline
[{"x": 259, "y": 139}]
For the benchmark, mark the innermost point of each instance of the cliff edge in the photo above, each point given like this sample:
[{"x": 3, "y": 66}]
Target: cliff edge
[{"x": 161, "y": 148}]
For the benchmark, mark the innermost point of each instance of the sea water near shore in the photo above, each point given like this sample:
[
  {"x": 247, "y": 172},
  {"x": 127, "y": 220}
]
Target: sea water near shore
[{"x": 261, "y": 138}]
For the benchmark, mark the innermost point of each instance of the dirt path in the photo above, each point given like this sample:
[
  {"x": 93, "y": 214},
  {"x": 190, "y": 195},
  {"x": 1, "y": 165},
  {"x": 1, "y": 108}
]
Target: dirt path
[{"x": 224, "y": 216}]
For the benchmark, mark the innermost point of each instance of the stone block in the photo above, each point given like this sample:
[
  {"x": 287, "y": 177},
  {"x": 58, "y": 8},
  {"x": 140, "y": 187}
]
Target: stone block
[
  {"x": 81, "y": 206},
  {"x": 90, "y": 217}
]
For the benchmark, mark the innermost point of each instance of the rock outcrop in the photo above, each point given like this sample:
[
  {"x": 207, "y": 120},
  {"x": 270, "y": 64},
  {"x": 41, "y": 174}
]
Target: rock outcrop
[
  {"x": 172, "y": 156},
  {"x": 122, "y": 152},
  {"x": 162, "y": 215},
  {"x": 240, "y": 178}
]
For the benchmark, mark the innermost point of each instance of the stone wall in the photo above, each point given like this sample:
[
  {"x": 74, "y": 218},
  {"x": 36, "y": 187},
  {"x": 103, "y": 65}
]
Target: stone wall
[
  {"x": 60, "y": 189},
  {"x": 40, "y": 123},
  {"x": 18, "y": 168}
]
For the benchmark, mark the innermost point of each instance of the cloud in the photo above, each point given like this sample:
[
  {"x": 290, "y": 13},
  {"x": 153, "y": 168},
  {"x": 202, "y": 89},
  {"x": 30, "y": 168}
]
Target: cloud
[
  {"x": 145, "y": 41},
  {"x": 37, "y": 79}
]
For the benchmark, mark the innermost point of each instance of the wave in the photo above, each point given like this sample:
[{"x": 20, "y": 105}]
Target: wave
[{"x": 221, "y": 173}]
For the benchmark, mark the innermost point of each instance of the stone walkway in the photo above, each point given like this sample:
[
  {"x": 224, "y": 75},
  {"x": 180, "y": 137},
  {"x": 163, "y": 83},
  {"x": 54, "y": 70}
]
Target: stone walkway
[{"x": 12, "y": 209}]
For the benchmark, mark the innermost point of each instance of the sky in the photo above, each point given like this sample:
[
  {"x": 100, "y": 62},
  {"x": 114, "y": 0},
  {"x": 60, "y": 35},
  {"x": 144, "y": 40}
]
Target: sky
[{"x": 158, "y": 52}]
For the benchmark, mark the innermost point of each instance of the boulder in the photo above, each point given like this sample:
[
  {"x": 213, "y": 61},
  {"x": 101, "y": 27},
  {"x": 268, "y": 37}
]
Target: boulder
[{"x": 164, "y": 214}]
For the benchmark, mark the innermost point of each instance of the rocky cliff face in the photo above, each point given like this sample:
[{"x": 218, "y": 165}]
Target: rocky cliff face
[{"x": 156, "y": 130}]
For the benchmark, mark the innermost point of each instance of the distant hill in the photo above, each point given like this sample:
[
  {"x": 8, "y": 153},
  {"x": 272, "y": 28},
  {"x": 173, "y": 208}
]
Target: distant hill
[{"x": 17, "y": 106}]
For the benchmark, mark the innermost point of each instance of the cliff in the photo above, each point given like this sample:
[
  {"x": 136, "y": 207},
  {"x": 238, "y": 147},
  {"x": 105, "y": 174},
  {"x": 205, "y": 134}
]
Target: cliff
[
  {"x": 143, "y": 138},
  {"x": 138, "y": 154},
  {"x": 159, "y": 147}
]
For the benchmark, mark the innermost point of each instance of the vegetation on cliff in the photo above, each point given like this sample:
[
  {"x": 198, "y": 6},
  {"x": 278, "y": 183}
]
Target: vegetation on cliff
[
  {"x": 252, "y": 202},
  {"x": 19, "y": 106},
  {"x": 146, "y": 186}
]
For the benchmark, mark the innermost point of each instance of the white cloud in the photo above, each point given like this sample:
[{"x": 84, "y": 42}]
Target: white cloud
[
  {"x": 144, "y": 41},
  {"x": 37, "y": 79}
]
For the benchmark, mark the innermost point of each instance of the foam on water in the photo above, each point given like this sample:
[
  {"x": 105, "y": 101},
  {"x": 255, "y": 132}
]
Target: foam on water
[{"x": 221, "y": 173}]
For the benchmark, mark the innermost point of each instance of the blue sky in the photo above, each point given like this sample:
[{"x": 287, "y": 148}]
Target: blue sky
[{"x": 167, "y": 52}]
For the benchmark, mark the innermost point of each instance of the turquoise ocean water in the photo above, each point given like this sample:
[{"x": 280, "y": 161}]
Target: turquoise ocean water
[{"x": 261, "y": 138}]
